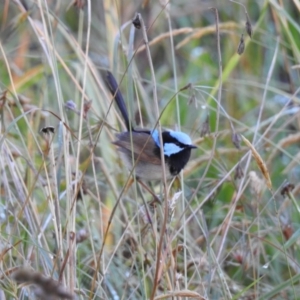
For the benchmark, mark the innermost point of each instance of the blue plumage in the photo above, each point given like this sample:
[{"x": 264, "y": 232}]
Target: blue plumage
[
  {"x": 181, "y": 137},
  {"x": 174, "y": 141}
]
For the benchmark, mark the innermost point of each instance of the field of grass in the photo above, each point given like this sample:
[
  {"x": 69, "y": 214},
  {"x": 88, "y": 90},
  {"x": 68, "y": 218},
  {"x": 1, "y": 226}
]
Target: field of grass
[{"x": 74, "y": 224}]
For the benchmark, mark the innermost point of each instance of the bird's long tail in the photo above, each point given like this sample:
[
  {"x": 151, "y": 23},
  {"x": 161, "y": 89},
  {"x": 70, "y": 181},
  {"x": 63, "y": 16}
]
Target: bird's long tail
[{"x": 115, "y": 91}]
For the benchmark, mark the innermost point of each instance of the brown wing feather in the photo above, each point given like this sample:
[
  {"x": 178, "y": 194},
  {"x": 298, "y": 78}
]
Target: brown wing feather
[{"x": 140, "y": 144}]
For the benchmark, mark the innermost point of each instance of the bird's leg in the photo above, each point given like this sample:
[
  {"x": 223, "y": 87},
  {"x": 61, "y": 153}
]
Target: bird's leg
[{"x": 156, "y": 199}]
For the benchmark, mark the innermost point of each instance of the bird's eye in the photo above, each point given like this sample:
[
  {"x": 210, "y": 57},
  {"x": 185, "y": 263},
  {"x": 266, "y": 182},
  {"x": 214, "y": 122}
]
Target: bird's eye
[{"x": 178, "y": 143}]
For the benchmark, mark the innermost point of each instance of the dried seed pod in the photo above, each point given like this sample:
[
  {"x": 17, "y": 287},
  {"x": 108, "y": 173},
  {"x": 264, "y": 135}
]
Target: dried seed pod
[
  {"x": 236, "y": 140},
  {"x": 241, "y": 46},
  {"x": 86, "y": 107},
  {"x": 81, "y": 235},
  {"x": 80, "y": 191},
  {"x": 137, "y": 22},
  {"x": 192, "y": 99},
  {"x": 287, "y": 188},
  {"x": 205, "y": 127},
  {"x": 248, "y": 26},
  {"x": 238, "y": 172},
  {"x": 287, "y": 231}
]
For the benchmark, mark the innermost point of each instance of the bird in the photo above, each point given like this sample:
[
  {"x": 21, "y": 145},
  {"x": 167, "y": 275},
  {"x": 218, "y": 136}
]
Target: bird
[{"x": 140, "y": 148}]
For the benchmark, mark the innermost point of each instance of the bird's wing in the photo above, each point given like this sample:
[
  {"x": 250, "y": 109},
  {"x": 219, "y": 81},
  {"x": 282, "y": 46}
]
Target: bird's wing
[{"x": 140, "y": 144}]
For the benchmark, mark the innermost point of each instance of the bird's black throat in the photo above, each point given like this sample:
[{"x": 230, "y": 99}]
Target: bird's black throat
[{"x": 176, "y": 162}]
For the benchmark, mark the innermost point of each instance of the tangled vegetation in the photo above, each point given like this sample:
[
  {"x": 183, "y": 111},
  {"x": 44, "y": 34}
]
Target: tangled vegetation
[{"x": 75, "y": 224}]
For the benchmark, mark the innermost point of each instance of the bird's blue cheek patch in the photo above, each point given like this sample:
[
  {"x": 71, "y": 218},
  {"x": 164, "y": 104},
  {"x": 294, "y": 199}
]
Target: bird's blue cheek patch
[
  {"x": 171, "y": 148},
  {"x": 155, "y": 137}
]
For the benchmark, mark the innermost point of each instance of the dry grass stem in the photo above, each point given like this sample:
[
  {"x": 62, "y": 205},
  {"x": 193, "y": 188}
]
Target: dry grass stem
[{"x": 260, "y": 163}]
